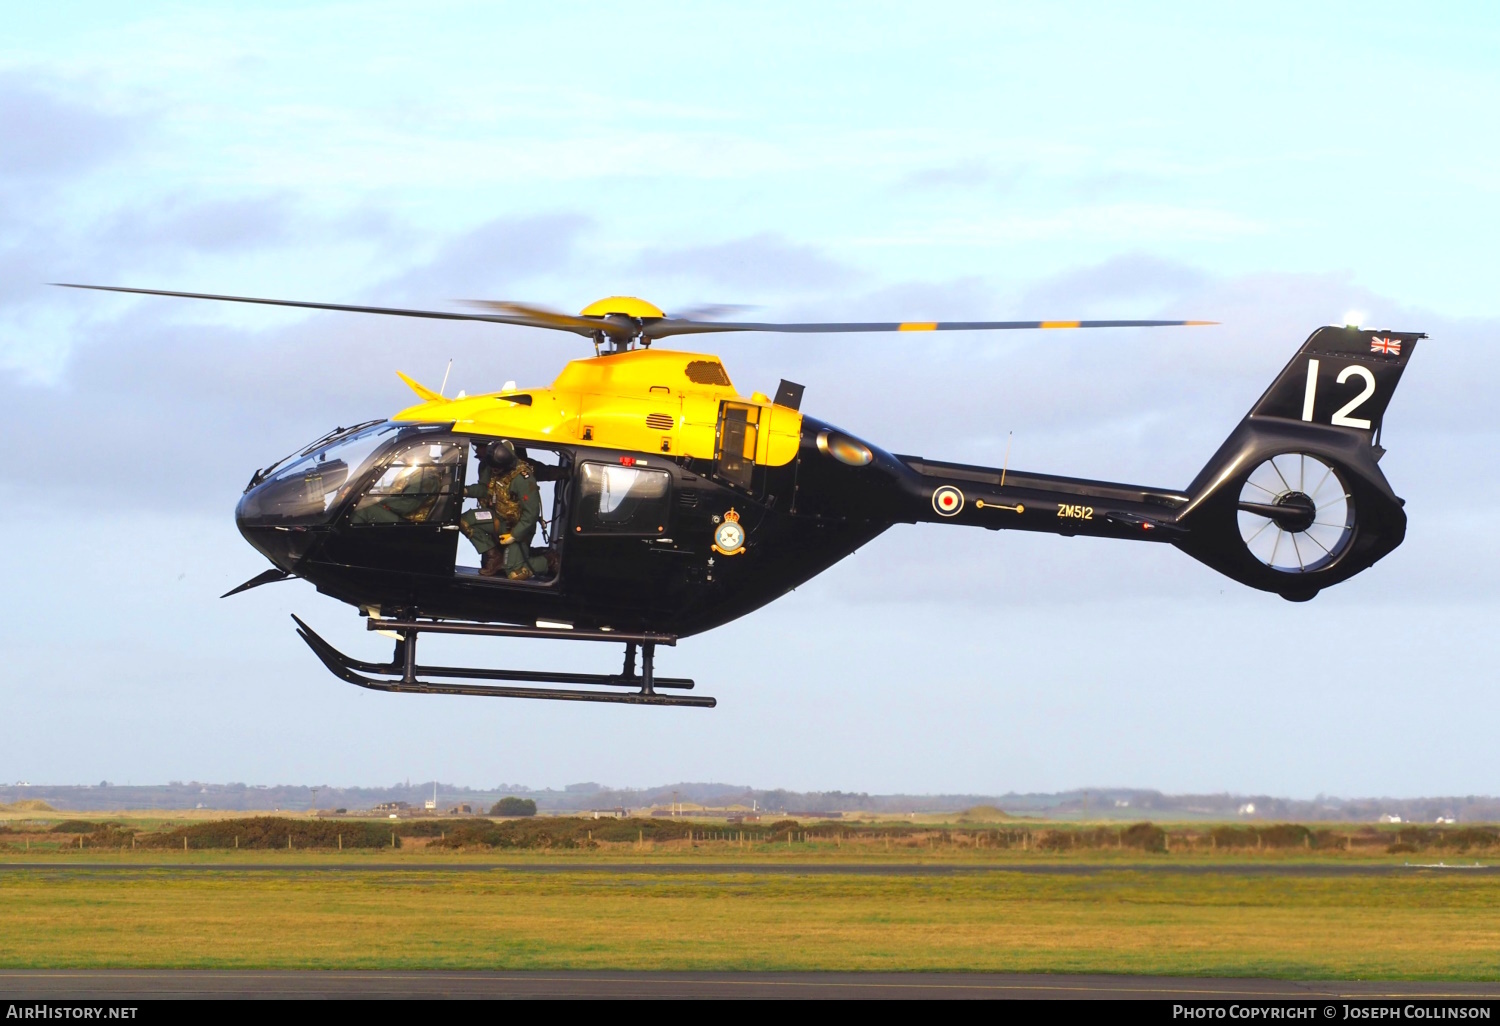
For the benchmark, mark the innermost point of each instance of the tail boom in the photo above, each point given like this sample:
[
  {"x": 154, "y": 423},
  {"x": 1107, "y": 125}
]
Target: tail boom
[
  {"x": 1000, "y": 499},
  {"x": 1292, "y": 502}
]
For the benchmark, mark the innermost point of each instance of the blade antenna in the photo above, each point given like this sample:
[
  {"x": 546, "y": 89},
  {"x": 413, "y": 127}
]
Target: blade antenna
[
  {"x": 1006, "y": 465},
  {"x": 443, "y": 388}
]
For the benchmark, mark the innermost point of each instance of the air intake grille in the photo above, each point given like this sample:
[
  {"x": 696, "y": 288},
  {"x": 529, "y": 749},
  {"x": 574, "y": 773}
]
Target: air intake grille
[
  {"x": 707, "y": 372},
  {"x": 659, "y": 422},
  {"x": 687, "y": 498}
]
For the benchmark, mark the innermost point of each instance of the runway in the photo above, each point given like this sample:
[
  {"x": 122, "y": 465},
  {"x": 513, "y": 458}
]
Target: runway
[
  {"x": 1293, "y": 869},
  {"x": 151, "y": 984}
]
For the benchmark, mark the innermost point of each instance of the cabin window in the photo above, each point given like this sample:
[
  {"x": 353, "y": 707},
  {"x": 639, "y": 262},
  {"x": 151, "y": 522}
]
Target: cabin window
[
  {"x": 738, "y": 424},
  {"x": 416, "y": 487},
  {"x": 617, "y": 499},
  {"x": 307, "y": 488}
]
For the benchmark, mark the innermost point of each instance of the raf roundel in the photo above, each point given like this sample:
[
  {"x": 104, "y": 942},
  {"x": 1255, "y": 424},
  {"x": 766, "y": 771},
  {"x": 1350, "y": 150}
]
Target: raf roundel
[{"x": 947, "y": 500}]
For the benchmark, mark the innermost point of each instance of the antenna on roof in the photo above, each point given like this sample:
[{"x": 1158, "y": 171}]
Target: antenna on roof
[{"x": 443, "y": 388}]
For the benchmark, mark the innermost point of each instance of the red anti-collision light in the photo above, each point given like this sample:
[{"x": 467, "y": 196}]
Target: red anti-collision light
[{"x": 628, "y": 461}]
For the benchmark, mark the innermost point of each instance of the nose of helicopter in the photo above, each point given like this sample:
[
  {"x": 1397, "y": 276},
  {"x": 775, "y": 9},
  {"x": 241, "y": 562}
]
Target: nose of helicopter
[
  {"x": 288, "y": 507},
  {"x": 284, "y": 545}
]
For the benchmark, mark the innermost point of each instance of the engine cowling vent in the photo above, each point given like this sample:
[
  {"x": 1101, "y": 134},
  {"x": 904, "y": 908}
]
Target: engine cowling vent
[
  {"x": 706, "y": 372},
  {"x": 659, "y": 421}
]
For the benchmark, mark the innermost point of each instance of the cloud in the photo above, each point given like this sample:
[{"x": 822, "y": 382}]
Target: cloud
[
  {"x": 1113, "y": 184},
  {"x": 1134, "y": 277},
  {"x": 972, "y": 173},
  {"x": 484, "y": 262},
  {"x": 756, "y": 262},
  {"x": 206, "y": 226},
  {"x": 47, "y": 134}
]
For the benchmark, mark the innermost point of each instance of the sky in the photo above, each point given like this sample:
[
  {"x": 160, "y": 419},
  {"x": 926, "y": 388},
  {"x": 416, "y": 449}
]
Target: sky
[{"x": 1273, "y": 167}]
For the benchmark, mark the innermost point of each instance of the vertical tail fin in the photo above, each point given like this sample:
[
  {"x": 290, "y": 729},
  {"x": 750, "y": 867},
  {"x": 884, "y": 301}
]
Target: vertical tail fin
[
  {"x": 1294, "y": 501},
  {"x": 1342, "y": 377}
]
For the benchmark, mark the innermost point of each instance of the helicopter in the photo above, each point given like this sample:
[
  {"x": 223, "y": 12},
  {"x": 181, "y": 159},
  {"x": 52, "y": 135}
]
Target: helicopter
[{"x": 679, "y": 504}]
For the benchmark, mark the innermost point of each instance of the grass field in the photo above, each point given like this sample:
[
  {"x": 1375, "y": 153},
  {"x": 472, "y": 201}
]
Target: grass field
[
  {"x": 1429, "y": 926},
  {"x": 1417, "y": 925}
]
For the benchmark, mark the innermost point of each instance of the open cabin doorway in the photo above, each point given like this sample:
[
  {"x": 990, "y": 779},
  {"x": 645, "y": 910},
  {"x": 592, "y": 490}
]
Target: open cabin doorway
[{"x": 551, "y": 469}]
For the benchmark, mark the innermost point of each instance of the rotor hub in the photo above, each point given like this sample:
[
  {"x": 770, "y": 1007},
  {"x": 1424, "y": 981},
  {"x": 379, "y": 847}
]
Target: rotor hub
[{"x": 1300, "y": 511}]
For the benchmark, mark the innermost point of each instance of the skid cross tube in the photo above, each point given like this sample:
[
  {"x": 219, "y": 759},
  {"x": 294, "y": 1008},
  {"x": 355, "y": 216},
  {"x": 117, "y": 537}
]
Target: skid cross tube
[{"x": 405, "y": 667}]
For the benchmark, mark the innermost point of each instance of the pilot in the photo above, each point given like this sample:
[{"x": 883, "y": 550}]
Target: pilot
[
  {"x": 404, "y": 494},
  {"x": 502, "y": 526}
]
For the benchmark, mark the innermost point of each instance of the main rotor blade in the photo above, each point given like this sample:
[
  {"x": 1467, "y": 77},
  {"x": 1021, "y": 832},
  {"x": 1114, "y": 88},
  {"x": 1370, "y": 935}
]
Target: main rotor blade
[
  {"x": 650, "y": 328},
  {"x": 709, "y": 311},
  {"x": 584, "y": 327},
  {"x": 542, "y": 317},
  {"x": 672, "y": 326}
]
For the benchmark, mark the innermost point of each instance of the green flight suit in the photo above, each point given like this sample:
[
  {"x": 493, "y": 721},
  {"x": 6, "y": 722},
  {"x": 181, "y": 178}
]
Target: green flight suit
[
  {"x": 509, "y": 503},
  {"x": 410, "y": 499}
]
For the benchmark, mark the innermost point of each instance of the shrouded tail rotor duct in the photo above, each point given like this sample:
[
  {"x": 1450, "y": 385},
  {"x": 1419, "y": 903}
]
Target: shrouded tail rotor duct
[
  {"x": 1291, "y": 508},
  {"x": 1296, "y": 513}
]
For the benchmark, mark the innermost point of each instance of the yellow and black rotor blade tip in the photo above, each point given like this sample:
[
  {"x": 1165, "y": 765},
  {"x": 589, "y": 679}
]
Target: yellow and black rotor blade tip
[{"x": 668, "y": 327}]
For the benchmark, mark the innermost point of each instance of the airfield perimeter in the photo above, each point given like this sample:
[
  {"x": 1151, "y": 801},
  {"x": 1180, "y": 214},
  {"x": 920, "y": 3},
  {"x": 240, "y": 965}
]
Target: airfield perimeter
[{"x": 822, "y": 898}]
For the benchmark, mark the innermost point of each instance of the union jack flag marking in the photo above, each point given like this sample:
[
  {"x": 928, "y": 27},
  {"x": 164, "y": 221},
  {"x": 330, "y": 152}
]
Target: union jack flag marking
[{"x": 1387, "y": 346}]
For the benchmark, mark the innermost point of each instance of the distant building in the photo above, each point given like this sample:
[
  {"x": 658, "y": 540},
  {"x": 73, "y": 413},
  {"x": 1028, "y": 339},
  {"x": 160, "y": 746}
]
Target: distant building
[
  {"x": 1446, "y": 820},
  {"x": 392, "y": 807},
  {"x": 1248, "y": 809},
  {"x": 1390, "y": 817}
]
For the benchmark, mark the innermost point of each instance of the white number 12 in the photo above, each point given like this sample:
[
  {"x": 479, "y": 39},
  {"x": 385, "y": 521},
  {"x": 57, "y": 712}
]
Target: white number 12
[{"x": 1341, "y": 418}]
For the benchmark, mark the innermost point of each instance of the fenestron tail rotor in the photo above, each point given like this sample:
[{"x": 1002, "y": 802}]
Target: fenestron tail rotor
[
  {"x": 624, "y": 321},
  {"x": 1295, "y": 513}
]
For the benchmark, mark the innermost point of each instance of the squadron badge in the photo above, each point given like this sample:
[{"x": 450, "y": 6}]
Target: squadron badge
[{"x": 729, "y": 537}]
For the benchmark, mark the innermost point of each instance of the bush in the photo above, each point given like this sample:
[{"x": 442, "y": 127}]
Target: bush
[
  {"x": 428, "y": 827},
  {"x": 1055, "y": 840},
  {"x": 273, "y": 832},
  {"x": 1468, "y": 837},
  {"x": 1232, "y": 837},
  {"x": 516, "y": 833},
  {"x": 513, "y": 807},
  {"x": 1286, "y": 835},
  {"x": 76, "y": 826},
  {"x": 657, "y": 828},
  {"x": 1145, "y": 837},
  {"x": 111, "y": 835}
]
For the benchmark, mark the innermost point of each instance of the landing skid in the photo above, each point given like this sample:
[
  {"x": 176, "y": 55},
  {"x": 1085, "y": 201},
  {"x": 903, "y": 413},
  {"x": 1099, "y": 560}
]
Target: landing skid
[{"x": 408, "y": 675}]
